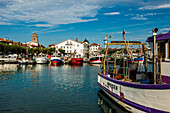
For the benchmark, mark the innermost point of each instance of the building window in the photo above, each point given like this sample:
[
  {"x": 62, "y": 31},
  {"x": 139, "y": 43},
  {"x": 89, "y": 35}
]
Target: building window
[
  {"x": 67, "y": 47},
  {"x": 77, "y": 45}
]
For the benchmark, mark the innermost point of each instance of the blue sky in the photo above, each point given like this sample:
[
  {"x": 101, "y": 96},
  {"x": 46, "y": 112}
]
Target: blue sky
[{"x": 57, "y": 20}]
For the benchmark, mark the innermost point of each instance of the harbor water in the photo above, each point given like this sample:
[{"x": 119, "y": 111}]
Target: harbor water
[{"x": 49, "y": 89}]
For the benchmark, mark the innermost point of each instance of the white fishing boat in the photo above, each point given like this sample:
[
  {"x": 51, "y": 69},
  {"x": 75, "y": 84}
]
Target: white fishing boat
[
  {"x": 136, "y": 58},
  {"x": 56, "y": 59},
  {"x": 96, "y": 59},
  {"x": 10, "y": 59},
  {"x": 41, "y": 59},
  {"x": 148, "y": 95}
]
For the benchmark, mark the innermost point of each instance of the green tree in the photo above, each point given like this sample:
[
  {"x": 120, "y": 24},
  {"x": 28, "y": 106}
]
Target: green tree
[{"x": 61, "y": 51}]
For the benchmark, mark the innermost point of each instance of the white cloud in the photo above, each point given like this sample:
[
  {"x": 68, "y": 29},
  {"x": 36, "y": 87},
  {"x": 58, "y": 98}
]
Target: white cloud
[
  {"x": 151, "y": 7},
  {"x": 112, "y": 13},
  {"x": 43, "y": 25},
  {"x": 51, "y": 12},
  {"x": 139, "y": 17},
  {"x": 5, "y": 23},
  {"x": 56, "y": 12},
  {"x": 165, "y": 29}
]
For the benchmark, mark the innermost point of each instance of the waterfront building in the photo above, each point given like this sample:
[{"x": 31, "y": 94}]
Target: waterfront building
[
  {"x": 6, "y": 41},
  {"x": 71, "y": 47},
  {"x": 51, "y": 46},
  {"x": 94, "y": 49},
  {"x": 34, "y": 43}
]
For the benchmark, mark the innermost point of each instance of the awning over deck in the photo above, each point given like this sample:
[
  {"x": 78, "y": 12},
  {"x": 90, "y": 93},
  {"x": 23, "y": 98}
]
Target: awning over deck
[{"x": 165, "y": 36}]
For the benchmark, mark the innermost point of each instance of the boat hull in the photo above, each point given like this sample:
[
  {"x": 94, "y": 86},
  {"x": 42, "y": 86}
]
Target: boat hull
[
  {"x": 41, "y": 61},
  {"x": 56, "y": 62},
  {"x": 137, "y": 60},
  {"x": 76, "y": 61},
  {"x": 95, "y": 62},
  {"x": 137, "y": 98}
]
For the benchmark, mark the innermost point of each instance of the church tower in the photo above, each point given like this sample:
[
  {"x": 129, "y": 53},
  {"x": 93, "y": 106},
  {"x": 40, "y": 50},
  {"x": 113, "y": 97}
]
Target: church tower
[{"x": 35, "y": 38}]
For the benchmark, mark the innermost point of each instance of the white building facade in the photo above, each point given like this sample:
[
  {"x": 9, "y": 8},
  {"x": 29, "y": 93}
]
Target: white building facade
[
  {"x": 71, "y": 47},
  {"x": 93, "y": 49}
]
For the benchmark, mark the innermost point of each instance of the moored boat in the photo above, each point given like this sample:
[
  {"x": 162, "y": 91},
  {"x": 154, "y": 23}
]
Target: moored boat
[
  {"x": 96, "y": 60},
  {"x": 41, "y": 59},
  {"x": 10, "y": 59},
  {"x": 56, "y": 60},
  {"x": 76, "y": 61},
  {"x": 136, "y": 59},
  {"x": 148, "y": 95}
]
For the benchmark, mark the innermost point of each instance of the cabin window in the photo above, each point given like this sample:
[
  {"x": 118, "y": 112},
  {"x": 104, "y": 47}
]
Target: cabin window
[{"x": 161, "y": 49}]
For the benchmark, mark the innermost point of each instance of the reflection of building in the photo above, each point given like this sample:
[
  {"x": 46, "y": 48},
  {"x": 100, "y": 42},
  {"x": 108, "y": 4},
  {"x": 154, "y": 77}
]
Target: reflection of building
[
  {"x": 34, "y": 43},
  {"x": 71, "y": 47},
  {"x": 93, "y": 49}
]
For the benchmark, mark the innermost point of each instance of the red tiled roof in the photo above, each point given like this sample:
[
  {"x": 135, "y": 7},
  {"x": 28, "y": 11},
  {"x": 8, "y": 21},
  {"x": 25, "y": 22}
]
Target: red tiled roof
[
  {"x": 24, "y": 45},
  {"x": 94, "y": 44},
  {"x": 2, "y": 39},
  {"x": 33, "y": 45},
  {"x": 9, "y": 41},
  {"x": 100, "y": 48},
  {"x": 15, "y": 42},
  {"x": 51, "y": 44}
]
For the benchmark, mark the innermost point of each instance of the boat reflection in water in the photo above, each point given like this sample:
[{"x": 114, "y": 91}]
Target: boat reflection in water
[
  {"x": 97, "y": 65},
  {"x": 107, "y": 104}
]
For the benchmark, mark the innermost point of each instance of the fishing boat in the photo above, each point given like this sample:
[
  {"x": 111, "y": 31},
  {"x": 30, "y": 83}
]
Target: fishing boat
[
  {"x": 76, "y": 60},
  {"x": 10, "y": 59},
  {"x": 27, "y": 61},
  {"x": 95, "y": 60},
  {"x": 125, "y": 86},
  {"x": 55, "y": 59},
  {"x": 41, "y": 59},
  {"x": 136, "y": 59}
]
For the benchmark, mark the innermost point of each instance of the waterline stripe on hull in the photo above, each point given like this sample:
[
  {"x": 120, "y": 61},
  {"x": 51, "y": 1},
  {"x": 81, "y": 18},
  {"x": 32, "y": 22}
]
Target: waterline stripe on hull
[
  {"x": 140, "y": 86},
  {"x": 132, "y": 104}
]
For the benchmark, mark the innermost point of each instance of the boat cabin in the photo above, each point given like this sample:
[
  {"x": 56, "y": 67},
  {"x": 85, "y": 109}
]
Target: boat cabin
[{"x": 163, "y": 54}]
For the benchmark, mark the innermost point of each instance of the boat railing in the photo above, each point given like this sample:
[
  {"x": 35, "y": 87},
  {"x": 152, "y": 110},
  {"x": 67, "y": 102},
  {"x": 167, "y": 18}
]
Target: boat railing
[{"x": 119, "y": 73}]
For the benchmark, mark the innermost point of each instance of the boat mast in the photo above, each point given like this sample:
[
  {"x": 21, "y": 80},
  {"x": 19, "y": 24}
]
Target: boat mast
[
  {"x": 155, "y": 30},
  {"x": 123, "y": 51}
]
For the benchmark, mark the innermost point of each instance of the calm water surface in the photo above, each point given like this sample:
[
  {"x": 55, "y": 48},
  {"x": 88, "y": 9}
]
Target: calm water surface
[{"x": 48, "y": 89}]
